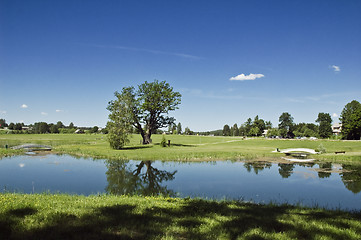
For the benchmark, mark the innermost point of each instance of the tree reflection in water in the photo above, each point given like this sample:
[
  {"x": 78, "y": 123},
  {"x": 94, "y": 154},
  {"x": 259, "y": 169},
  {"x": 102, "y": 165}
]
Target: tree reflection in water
[
  {"x": 143, "y": 179},
  {"x": 285, "y": 169},
  {"x": 325, "y": 170},
  {"x": 257, "y": 166},
  {"x": 351, "y": 177}
]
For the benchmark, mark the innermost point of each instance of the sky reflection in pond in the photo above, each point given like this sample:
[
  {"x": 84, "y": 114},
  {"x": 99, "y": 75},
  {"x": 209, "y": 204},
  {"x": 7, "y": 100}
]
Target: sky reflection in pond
[{"x": 327, "y": 185}]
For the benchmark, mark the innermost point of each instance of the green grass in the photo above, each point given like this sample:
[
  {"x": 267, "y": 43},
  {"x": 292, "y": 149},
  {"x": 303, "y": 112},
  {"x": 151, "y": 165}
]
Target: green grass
[
  {"x": 49, "y": 216},
  {"x": 185, "y": 147}
]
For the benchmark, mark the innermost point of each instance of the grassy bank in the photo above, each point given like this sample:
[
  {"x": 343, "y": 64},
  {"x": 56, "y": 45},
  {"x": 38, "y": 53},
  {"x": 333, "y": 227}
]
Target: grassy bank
[
  {"x": 48, "y": 216},
  {"x": 184, "y": 147}
]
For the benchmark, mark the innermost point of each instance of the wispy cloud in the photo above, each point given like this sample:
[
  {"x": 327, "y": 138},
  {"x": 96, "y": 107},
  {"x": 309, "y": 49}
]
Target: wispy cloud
[
  {"x": 219, "y": 95},
  {"x": 24, "y": 106},
  {"x": 335, "y": 68},
  {"x": 2, "y": 112},
  {"x": 44, "y": 113},
  {"x": 58, "y": 110},
  {"x": 334, "y": 115},
  {"x": 243, "y": 77},
  {"x": 329, "y": 98},
  {"x": 182, "y": 55}
]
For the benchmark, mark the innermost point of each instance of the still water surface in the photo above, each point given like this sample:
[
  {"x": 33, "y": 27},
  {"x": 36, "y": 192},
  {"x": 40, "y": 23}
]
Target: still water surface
[{"x": 326, "y": 185}]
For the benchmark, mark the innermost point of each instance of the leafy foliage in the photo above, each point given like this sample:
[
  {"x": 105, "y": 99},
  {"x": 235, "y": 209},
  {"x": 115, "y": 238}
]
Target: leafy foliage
[
  {"x": 145, "y": 109},
  {"x": 325, "y": 129},
  {"x": 285, "y": 124},
  {"x": 163, "y": 143},
  {"x": 351, "y": 121}
]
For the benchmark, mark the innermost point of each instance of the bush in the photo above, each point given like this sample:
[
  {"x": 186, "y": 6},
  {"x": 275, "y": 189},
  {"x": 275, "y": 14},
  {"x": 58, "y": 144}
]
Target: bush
[
  {"x": 321, "y": 149},
  {"x": 163, "y": 143}
]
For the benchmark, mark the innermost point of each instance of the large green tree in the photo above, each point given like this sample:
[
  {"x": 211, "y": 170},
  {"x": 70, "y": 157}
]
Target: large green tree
[
  {"x": 145, "y": 108},
  {"x": 285, "y": 124},
  {"x": 351, "y": 121},
  {"x": 325, "y": 129}
]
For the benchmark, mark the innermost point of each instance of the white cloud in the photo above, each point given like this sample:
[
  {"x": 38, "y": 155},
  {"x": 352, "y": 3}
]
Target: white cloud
[
  {"x": 336, "y": 68},
  {"x": 334, "y": 115},
  {"x": 24, "y": 106},
  {"x": 2, "y": 112},
  {"x": 57, "y": 110},
  {"x": 182, "y": 55},
  {"x": 243, "y": 77},
  {"x": 44, "y": 113}
]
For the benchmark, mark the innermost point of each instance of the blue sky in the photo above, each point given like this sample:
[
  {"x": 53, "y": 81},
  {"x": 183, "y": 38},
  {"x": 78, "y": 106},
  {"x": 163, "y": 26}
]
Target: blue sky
[{"x": 230, "y": 60}]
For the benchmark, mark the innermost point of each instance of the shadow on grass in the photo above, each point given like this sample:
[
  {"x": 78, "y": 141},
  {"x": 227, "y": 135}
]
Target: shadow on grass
[
  {"x": 136, "y": 147},
  {"x": 182, "y": 222},
  {"x": 178, "y": 145}
]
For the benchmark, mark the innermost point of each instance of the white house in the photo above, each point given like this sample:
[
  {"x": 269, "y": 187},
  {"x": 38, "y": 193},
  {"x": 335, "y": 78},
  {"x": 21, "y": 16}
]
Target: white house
[{"x": 336, "y": 128}]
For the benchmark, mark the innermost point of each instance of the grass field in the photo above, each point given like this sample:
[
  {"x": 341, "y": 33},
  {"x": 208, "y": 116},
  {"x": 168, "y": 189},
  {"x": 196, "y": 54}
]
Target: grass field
[
  {"x": 48, "y": 216},
  {"x": 184, "y": 147}
]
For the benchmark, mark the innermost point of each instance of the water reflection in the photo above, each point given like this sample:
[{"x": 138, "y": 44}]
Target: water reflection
[
  {"x": 142, "y": 179},
  {"x": 256, "y": 180},
  {"x": 285, "y": 169},
  {"x": 325, "y": 170},
  {"x": 351, "y": 177},
  {"x": 257, "y": 166}
]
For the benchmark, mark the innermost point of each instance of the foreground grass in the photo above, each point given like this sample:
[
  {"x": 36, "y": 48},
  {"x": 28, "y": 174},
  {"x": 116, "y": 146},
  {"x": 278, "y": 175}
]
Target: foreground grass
[
  {"x": 48, "y": 216},
  {"x": 184, "y": 147}
]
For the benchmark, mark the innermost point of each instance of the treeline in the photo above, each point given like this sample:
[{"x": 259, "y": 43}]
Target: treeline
[
  {"x": 350, "y": 120},
  {"x": 285, "y": 129},
  {"x": 43, "y": 127}
]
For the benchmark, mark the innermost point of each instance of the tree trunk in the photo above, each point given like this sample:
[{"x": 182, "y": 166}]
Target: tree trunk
[{"x": 146, "y": 137}]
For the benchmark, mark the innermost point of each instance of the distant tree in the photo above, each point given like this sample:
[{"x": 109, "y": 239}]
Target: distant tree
[
  {"x": 325, "y": 129},
  {"x": 351, "y": 121},
  {"x": 226, "y": 130},
  {"x": 285, "y": 124},
  {"x": 235, "y": 130},
  {"x": 260, "y": 124},
  {"x": 187, "y": 131},
  {"x": 172, "y": 128},
  {"x": 147, "y": 107},
  {"x": 254, "y": 131},
  {"x": 179, "y": 128},
  {"x": 11, "y": 126},
  {"x": 242, "y": 130},
  {"x": 273, "y": 132},
  {"x": 3, "y": 123},
  {"x": 54, "y": 128},
  {"x": 71, "y": 125},
  {"x": 248, "y": 125},
  {"x": 18, "y": 126},
  {"x": 41, "y": 127},
  {"x": 59, "y": 124},
  {"x": 268, "y": 124},
  {"x": 94, "y": 129}
]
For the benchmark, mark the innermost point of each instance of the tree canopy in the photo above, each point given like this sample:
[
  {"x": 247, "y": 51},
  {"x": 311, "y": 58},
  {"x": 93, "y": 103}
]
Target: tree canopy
[
  {"x": 285, "y": 124},
  {"x": 351, "y": 121},
  {"x": 145, "y": 109},
  {"x": 325, "y": 129}
]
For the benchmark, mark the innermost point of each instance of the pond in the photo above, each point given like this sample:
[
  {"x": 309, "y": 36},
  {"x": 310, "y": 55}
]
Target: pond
[{"x": 326, "y": 185}]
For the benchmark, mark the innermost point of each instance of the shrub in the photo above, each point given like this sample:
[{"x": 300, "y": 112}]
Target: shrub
[{"x": 163, "y": 143}]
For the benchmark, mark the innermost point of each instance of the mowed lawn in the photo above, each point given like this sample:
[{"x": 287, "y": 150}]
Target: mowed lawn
[
  {"x": 184, "y": 147},
  {"x": 62, "y": 216}
]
